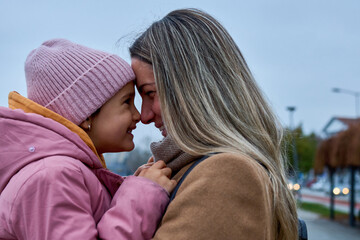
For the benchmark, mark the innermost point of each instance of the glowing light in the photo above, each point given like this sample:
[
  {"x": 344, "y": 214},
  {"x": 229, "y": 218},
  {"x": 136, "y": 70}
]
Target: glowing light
[
  {"x": 336, "y": 191},
  {"x": 296, "y": 187},
  {"x": 345, "y": 191},
  {"x": 290, "y": 186}
]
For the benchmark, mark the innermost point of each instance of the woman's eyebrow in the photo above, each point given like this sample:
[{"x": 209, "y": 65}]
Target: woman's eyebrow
[{"x": 140, "y": 88}]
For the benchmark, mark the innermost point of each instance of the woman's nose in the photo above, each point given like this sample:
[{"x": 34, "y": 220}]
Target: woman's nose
[{"x": 147, "y": 114}]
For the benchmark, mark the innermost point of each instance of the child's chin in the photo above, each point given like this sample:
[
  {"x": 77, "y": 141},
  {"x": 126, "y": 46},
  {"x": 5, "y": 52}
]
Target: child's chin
[{"x": 129, "y": 148}]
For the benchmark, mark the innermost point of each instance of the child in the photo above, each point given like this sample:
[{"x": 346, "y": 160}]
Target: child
[{"x": 53, "y": 179}]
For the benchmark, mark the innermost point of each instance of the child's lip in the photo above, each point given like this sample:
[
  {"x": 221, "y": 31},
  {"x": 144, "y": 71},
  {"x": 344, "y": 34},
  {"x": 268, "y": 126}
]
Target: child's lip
[{"x": 131, "y": 129}]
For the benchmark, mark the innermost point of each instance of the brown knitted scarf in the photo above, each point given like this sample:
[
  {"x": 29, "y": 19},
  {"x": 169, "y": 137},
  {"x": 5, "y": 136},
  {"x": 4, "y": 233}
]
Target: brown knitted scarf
[{"x": 171, "y": 154}]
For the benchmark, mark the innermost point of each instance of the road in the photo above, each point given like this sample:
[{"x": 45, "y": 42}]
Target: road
[{"x": 324, "y": 229}]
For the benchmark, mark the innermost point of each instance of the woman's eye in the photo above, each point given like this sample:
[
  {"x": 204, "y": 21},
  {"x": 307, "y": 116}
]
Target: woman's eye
[
  {"x": 127, "y": 101},
  {"x": 150, "y": 93}
]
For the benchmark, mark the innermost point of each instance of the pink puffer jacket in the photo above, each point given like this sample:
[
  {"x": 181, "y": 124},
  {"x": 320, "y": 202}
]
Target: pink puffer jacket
[{"x": 52, "y": 186}]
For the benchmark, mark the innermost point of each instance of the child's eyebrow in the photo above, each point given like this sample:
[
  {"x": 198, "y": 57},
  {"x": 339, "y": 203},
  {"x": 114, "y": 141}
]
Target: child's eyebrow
[{"x": 127, "y": 95}]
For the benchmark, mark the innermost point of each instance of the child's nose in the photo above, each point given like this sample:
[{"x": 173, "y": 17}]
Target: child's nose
[{"x": 136, "y": 115}]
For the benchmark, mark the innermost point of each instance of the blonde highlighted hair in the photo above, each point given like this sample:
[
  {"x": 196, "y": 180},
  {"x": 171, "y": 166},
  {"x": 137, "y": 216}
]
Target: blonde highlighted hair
[{"x": 210, "y": 101}]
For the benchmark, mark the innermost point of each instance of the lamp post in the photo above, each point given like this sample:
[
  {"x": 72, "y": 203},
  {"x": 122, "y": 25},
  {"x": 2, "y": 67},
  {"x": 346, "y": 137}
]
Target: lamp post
[
  {"x": 354, "y": 93},
  {"x": 291, "y": 110}
]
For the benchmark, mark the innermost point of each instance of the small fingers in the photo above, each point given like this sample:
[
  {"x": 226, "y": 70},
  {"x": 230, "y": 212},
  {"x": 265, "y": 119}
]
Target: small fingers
[
  {"x": 159, "y": 173},
  {"x": 173, "y": 183},
  {"x": 151, "y": 160},
  {"x": 166, "y": 171},
  {"x": 148, "y": 165},
  {"x": 159, "y": 164},
  {"x": 142, "y": 167},
  {"x": 170, "y": 186},
  {"x": 138, "y": 171}
]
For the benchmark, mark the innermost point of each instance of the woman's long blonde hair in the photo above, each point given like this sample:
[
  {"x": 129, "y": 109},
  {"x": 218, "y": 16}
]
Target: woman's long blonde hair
[{"x": 210, "y": 101}]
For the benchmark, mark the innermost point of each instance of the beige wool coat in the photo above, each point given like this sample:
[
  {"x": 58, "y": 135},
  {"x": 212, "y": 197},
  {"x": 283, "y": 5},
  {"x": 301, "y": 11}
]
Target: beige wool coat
[{"x": 226, "y": 196}]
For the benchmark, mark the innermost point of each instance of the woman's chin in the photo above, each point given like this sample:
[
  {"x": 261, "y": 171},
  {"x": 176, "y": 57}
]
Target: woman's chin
[{"x": 164, "y": 133}]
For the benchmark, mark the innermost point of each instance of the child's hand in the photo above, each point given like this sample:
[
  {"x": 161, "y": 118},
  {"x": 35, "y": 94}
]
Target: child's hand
[
  {"x": 149, "y": 163},
  {"x": 160, "y": 174}
]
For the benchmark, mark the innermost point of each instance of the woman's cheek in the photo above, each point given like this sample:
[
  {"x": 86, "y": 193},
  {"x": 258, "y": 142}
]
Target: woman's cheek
[{"x": 156, "y": 106}]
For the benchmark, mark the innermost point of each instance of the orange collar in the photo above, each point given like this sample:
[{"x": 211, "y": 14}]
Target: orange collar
[{"x": 16, "y": 101}]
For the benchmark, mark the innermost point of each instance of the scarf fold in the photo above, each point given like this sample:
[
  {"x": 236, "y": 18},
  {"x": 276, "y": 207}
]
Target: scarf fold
[{"x": 171, "y": 154}]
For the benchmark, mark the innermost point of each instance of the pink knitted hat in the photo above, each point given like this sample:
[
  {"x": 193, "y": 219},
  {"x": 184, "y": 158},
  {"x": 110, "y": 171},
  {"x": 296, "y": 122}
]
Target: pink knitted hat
[{"x": 73, "y": 80}]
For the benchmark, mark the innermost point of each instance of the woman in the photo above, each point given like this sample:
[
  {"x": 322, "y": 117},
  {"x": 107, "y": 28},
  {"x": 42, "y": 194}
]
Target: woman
[{"x": 198, "y": 90}]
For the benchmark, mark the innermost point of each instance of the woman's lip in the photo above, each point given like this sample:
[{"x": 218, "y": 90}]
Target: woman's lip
[
  {"x": 163, "y": 132},
  {"x": 162, "y": 129}
]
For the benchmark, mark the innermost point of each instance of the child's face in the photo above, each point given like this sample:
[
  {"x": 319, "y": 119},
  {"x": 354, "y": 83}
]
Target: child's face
[{"x": 111, "y": 127}]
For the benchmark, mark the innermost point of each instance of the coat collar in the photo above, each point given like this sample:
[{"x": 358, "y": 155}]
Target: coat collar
[{"x": 17, "y": 101}]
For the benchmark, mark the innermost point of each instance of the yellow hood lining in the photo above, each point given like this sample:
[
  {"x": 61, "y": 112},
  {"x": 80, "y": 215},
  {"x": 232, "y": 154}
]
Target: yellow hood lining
[{"x": 17, "y": 101}]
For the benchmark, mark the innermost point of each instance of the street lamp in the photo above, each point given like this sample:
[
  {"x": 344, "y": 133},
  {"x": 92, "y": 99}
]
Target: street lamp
[
  {"x": 291, "y": 110},
  {"x": 354, "y": 93}
]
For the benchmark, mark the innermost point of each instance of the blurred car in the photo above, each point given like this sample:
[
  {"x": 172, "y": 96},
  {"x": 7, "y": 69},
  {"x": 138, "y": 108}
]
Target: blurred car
[
  {"x": 338, "y": 189},
  {"x": 319, "y": 185},
  {"x": 341, "y": 183}
]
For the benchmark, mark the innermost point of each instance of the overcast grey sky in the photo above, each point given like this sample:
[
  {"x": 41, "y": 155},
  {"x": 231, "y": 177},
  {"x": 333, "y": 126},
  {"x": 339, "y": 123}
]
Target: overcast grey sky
[{"x": 297, "y": 50}]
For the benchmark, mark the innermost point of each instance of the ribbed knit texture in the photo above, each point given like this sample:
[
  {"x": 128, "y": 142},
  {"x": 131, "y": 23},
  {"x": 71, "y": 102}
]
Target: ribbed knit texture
[
  {"x": 73, "y": 80},
  {"x": 171, "y": 154}
]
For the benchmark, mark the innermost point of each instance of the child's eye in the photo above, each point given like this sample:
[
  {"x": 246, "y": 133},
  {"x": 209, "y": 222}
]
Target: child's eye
[{"x": 127, "y": 101}]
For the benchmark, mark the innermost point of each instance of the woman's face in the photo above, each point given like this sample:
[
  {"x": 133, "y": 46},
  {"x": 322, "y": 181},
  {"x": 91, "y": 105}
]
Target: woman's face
[{"x": 145, "y": 83}]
